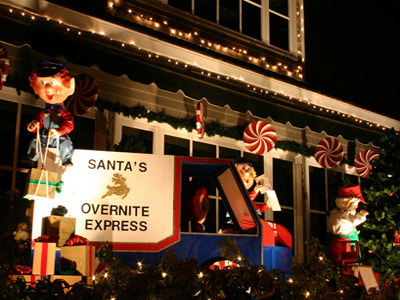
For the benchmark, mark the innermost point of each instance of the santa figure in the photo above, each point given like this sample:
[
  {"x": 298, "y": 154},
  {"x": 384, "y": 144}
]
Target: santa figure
[
  {"x": 343, "y": 221},
  {"x": 248, "y": 174},
  {"x": 196, "y": 205},
  {"x": 52, "y": 83}
]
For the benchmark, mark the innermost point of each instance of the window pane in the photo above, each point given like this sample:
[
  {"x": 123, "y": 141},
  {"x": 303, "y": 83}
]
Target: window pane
[
  {"x": 27, "y": 115},
  {"x": 279, "y": 6},
  {"x": 286, "y": 218},
  {"x": 251, "y": 20},
  {"x": 22, "y": 181},
  {"x": 229, "y": 14},
  {"x": 206, "y": 9},
  {"x": 8, "y": 117},
  {"x": 5, "y": 181},
  {"x": 185, "y": 5},
  {"x": 256, "y": 160},
  {"x": 135, "y": 140},
  {"x": 228, "y": 153},
  {"x": 318, "y": 226},
  {"x": 279, "y": 31},
  {"x": 83, "y": 134},
  {"x": 204, "y": 150},
  {"x": 283, "y": 181},
  {"x": 176, "y": 146},
  {"x": 210, "y": 223},
  {"x": 317, "y": 189},
  {"x": 335, "y": 181}
]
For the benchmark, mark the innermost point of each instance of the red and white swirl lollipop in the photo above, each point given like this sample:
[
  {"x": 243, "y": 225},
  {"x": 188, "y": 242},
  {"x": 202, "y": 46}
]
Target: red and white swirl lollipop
[
  {"x": 329, "y": 152},
  {"x": 84, "y": 96},
  {"x": 362, "y": 162},
  {"x": 200, "y": 120},
  {"x": 4, "y": 63},
  {"x": 259, "y": 137}
]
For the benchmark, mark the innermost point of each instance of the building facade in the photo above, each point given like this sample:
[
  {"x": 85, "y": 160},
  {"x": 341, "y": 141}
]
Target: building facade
[{"x": 154, "y": 61}]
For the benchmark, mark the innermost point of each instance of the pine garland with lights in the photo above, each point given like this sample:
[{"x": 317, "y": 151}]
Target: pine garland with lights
[
  {"x": 381, "y": 191},
  {"x": 211, "y": 128}
]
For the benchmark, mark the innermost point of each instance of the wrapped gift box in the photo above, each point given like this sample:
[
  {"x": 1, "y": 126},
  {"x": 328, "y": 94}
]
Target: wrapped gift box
[
  {"x": 80, "y": 257},
  {"x": 59, "y": 228},
  {"x": 48, "y": 180},
  {"x": 29, "y": 279},
  {"x": 57, "y": 265},
  {"x": 44, "y": 259}
]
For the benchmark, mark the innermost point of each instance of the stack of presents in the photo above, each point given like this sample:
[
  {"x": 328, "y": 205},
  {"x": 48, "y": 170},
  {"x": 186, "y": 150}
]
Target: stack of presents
[{"x": 58, "y": 253}]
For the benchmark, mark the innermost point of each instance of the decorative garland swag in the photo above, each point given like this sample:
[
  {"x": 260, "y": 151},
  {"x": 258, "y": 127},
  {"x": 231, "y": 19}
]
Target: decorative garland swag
[{"x": 212, "y": 128}]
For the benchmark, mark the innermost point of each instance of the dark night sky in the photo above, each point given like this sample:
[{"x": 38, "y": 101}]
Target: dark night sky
[{"x": 352, "y": 51}]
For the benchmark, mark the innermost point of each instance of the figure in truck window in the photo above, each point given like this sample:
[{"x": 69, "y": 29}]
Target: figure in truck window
[
  {"x": 248, "y": 175},
  {"x": 196, "y": 205},
  {"x": 343, "y": 221}
]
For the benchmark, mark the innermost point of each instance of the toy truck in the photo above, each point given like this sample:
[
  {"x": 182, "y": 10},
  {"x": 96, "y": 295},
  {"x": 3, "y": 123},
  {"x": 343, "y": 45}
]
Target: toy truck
[{"x": 135, "y": 202}]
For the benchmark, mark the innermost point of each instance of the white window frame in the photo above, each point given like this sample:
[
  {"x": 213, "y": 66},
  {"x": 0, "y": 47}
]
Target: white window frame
[{"x": 265, "y": 33}]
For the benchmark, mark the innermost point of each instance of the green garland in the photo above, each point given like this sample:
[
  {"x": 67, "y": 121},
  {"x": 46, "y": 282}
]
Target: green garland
[{"x": 211, "y": 129}]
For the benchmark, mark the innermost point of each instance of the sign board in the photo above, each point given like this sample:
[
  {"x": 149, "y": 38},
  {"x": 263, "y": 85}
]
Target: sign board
[{"x": 126, "y": 199}]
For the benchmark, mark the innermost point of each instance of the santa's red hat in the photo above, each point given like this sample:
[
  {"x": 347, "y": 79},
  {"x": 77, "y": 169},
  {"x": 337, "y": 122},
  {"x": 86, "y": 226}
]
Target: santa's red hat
[{"x": 351, "y": 190}]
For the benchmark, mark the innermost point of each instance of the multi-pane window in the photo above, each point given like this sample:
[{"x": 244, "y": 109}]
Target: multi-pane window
[
  {"x": 268, "y": 21},
  {"x": 284, "y": 188},
  {"x": 324, "y": 189},
  {"x": 14, "y": 118}
]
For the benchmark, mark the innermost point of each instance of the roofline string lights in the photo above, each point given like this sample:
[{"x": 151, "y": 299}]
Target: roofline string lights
[
  {"x": 130, "y": 46},
  {"x": 195, "y": 37}
]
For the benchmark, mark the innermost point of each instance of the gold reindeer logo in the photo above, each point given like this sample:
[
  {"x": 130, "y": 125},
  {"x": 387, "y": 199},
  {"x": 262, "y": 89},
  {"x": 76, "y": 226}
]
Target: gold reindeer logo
[{"x": 120, "y": 188}]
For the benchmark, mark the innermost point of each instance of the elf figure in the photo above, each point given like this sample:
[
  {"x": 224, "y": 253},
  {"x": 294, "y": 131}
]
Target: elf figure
[
  {"x": 248, "y": 174},
  {"x": 343, "y": 221},
  {"x": 52, "y": 83}
]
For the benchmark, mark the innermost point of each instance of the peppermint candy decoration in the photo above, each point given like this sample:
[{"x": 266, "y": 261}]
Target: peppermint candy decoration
[
  {"x": 84, "y": 96},
  {"x": 200, "y": 120},
  {"x": 222, "y": 264},
  {"x": 259, "y": 137},
  {"x": 362, "y": 162},
  {"x": 329, "y": 152},
  {"x": 4, "y": 63}
]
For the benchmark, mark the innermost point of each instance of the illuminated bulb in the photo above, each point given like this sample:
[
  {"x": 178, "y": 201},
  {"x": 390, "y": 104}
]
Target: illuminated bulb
[
  {"x": 93, "y": 277},
  {"x": 180, "y": 33},
  {"x": 290, "y": 280},
  {"x": 105, "y": 275},
  {"x": 68, "y": 29},
  {"x": 173, "y": 31},
  {"x": 102, "y": 33},
  {"x": 79, "y": 33},
  {"x": 23, "y": 13},
  {"x": 33, "y": 17},
  {"x": 240, "y": 258},
  {"x": 308, "y": 294},
  {"x": 111, "y": 4},
  {"x": 321, "y": 258},
  {"x": 164, "y": 274},
  {"x": 10, "y": 10},
  {"x": 157, "y": 25},
  {"x": 129, "y": 11},
  {"x": 165, "y": 23},
  {"x": 60, "y": 22},
  {"x": 123, "y": 45},
  {"x": 200, "y": 274},
  {"x": 139, "y": 264}
]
